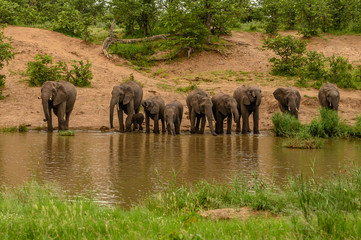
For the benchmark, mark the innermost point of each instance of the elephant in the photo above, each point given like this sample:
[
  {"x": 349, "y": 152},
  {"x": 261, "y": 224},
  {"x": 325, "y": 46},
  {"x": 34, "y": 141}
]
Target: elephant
[
  {"x": 173, "y": 113},
  {"x": 138, "y": 119},
  {"x": 154, "y": 109},
  {"x": 289, "y": 100},
  {"x": 224, "y": 106},
  {"x": 128, "y": 97},
  {"x": 248, "y": 102},
  {"x": 329, "y": 96},
  {"x": 59, "y": 96},
  {"x": 199, "y": 104}
]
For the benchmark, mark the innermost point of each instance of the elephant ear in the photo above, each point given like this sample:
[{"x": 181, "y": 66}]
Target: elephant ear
[
  {"x": 60, "y": 94},
  {"x": 245, "y": 100},
  {"x": 279, "y": 95},
  {"x": 223, "y": 106},
  {"x": 322, "y": 98},
  {"x": 154, "y": 109},
  {"x": 128, "y": 96},
  {"x": 298, "y": 100},
  {"x": 195, "y": 105}
]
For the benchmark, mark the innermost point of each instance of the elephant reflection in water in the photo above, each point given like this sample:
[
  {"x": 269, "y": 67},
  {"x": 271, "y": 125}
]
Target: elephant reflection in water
[
  {"x": 249, "y": 153},
  {"x": 58, "y": 158}
]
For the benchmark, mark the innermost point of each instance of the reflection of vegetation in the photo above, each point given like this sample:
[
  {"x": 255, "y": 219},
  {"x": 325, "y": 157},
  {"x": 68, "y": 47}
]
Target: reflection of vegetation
[{"x": 303, "y": 209}]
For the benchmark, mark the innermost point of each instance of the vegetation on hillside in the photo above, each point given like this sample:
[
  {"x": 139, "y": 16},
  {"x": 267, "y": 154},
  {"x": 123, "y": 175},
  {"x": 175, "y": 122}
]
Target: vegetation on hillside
[{"x": 6, "y": 53}]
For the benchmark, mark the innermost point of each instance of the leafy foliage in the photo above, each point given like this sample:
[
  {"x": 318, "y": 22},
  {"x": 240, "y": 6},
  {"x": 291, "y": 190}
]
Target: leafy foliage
[
  {"x": 6, "y": 53},
  {"x": 290, "y": 51},
  {"x": 286, "y": 125},
  {"x": 43, "y": 69}
]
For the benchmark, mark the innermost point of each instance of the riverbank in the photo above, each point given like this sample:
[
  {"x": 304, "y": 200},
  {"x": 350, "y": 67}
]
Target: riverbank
[
  {"x": 242, "y": 64},
  {"x": 303, "y": 209}
]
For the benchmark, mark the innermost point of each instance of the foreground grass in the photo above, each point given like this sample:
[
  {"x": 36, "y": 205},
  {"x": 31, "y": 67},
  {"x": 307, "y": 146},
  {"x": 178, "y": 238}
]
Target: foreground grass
[{"x": 303, "y": 209}]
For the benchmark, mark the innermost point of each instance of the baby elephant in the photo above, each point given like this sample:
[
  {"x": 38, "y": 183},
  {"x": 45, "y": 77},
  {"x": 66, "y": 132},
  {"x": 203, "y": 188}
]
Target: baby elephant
[
  {"x": 173, "y": 113},
  {"x": 137, "y": 120},
  {"x": 329, "y": 96},
  {"x": 154, "y": 109}
]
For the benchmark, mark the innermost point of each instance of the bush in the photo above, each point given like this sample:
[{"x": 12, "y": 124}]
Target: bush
[
  {"x": 340, "y": 72},
  {"x": 6, "y": 53},
  {"x": 290, "y": 51},
  {"x": 328, "y": 125},
  {"x": 286, "y": 125},
  {"x": 136, "y": 53},
  {"x": 81, "y": 74},
  {"x": 42, "y": 70}
]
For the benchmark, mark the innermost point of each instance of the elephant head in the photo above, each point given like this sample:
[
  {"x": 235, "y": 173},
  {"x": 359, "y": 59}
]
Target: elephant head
[
  {"x": 150, "y": 106},
  {"x": 52, "y": 94},
  {"x": 227, "y": 106},
  {"x": 203, "y": 105},
  {"x": 170, "y": 114},
  {"x": 329, "y": 96},
  {"x": 289, "y": 100},
  {"x": 121, "y": 95},
  {"x": 252, "y": 96}
]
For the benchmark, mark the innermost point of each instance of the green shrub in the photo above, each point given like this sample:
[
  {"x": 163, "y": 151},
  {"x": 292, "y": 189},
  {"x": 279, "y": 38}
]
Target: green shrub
[
  {"x": 41, "y": 70},
  {"x": 286, "y": 125},
  {"x": 328, "y": 125},
  {"x": 356, "y": 130},
  {"x": 340, "y": 72},
  {"x": 66, "y": 133},
  {"x": 188, "y": 88},
  {"x": 81, "y": 74},
  {"x": 8, "y": 11},
  {"x": 6, "y": 53},
  {"x": 290, "y": 52},
  {"x": 136, "y": 53}
]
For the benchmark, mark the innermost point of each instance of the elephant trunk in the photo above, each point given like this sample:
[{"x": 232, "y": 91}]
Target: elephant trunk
[
  {"x": 235, "y": 114},
  {"x": 259, "y": 97},
  {"x": 47, "y": 113},
  {"x": 113, "y": 102},
  {"x": 210, "y": 121},
  {"x": 334, "y": 104},
  {"x": 171, "y": 128},
  {"x": 293, "y": 110}
]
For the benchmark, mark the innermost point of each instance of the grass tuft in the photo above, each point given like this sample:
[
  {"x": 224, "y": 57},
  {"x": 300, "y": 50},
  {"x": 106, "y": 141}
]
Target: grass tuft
[{"x": 66, "y": 133}]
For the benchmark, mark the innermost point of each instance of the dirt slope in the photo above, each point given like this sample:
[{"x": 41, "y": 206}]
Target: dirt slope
[{"x": 92, "y": 106}]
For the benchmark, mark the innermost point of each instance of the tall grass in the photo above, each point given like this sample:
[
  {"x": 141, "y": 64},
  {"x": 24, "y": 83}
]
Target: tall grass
[{"x": 304, "y": 208}]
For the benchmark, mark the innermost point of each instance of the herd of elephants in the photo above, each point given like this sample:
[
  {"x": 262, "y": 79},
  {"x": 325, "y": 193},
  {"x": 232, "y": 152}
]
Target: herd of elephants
[{"x": 128, "y": 97}]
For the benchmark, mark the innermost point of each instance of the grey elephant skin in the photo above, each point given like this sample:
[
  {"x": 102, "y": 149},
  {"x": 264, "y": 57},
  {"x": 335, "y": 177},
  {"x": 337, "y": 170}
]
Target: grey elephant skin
[
  {"x": 289, "y": 100},
  {"x": 199, "y": 104},
  {"x": 173, "y": 114},
  {"x": 154, "y": 109},
  {"x": 329, "y": 96},
  {"x": 248, "y": 101},
  {"x": 59, "y": 96},
  {"x": 137, "y": 121},
  {"x": 224, "y": 106},
  {"x": 128, "y": 97}
]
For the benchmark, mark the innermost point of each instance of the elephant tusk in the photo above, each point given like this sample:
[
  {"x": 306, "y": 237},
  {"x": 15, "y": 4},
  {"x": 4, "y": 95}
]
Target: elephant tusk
[
  {"x": 50, "y": 99},
  {"x": 289, "y": 109},
  {"x": 297, "y": 109}
]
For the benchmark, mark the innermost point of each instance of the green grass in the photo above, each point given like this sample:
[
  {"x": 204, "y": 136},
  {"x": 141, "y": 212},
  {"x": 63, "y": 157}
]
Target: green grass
[
  {"x": 302, "y": 209},
  {"x": 66, "y": 133},
  {"x": 21, "y": 128}
]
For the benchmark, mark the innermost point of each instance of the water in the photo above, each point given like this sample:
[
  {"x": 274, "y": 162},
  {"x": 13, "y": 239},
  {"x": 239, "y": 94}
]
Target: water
[{"x": 121, "y": 168}]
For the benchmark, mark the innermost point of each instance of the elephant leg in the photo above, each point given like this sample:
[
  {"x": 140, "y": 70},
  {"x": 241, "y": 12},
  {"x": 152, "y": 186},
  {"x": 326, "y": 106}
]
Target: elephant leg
[
  {"x": 193, "y": 120},
  {"x": 229, "y": 124},
  {"x": 163, "y": 125},
  {"x": 50, "y": 121},
  {"x": 238, "y": 124},
  {"x": 156, "y": 124},
  {"x": 147, "y": 129},
  {"x": 61, "y": 115},
  {"x": 245, "y": 122},
  {"x": 120, "y": 119},
  {"x": 177, "y": 127},
  {"x": 256, "y": 121},
  {"x": 203, "y": 125},
  {"x": 219, "y": 123},
  {"x": 128, "y": 123},
  {"x": 197, "y": 123}
]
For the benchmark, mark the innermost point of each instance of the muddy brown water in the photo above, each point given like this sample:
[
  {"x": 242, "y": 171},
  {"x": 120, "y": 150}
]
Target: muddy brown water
[{"x": 122, "y": 168}]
